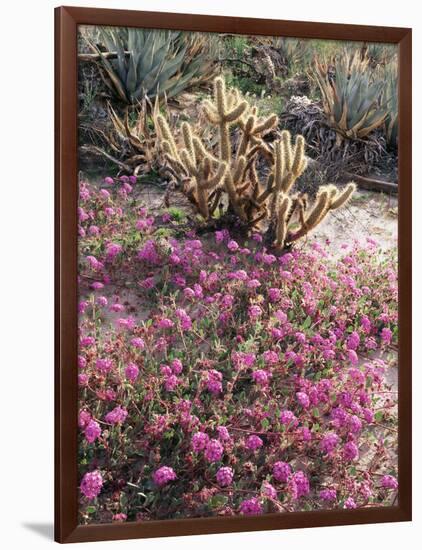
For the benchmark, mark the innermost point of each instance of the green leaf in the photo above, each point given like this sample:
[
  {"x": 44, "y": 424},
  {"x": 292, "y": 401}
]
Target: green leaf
[
  {"x": 90, "y": 510},
  {"x": 217, "y": 501},
  {"x": 265, "y": 423},
  {"x": 169, "y": 434},
  {"x": 307, "y": 323},
  {"x": 379, "y": 415}
]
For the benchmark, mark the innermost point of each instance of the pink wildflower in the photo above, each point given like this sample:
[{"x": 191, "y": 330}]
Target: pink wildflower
[
  {"x": 328, "y": 495},
  {"x": 353, "y": 341},
  {"x": 214, "y": 450},
  {"x": 251, "y": 507},
  {"x": 298, "y": 485},
  {"x": 214, "y": 384},
  {"x": 199, "y": 441},
  {"x": 91, "y": 484},
  {"x": 270, "y": 357},
  {"x": 288, "y": 418},
  {"x": 223, "y": 433},
  {"x": 255, "y": 311},
  {"x": 176, "y": 366},
  {"x": 254, "y": 442},
  {"x": 267, "y": 490},
  {"x": 132, "y": 372},
  {"x": 164, "y": 475},
  {"x": 303, "y": 399},
  {"x": 386, "y": 335},
  {"x": 282, "y": 471},
  {"x": 350, "y": 504},
  {"x": 350, "y": 451},
  {"x": 104, "y": 365},
  {"x": 389, "y": 482},
  {"x": 92, "y": 431},
  {"x": 274, "y": 294},
  {"x": 116, "y": 416},
  {"x": 261, "y": 377},
  {"x": 329, "y": 442},
  {"x": 232, "y": 246},
  {"x": 224, "y": 476},
  {"x": 138, "y": 343},
  {"x": 171, "y": 382}
]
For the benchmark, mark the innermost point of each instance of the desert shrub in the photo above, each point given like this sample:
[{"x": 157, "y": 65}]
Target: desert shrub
[{"x": 245, "y": 383}]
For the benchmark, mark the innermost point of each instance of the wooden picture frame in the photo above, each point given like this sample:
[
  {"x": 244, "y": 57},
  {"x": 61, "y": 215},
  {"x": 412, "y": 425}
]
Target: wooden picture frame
[{"x": 67, "y": 20}]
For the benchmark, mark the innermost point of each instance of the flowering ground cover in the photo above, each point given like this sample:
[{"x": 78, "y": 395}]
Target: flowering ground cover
[{"x": 246, "y": 382}]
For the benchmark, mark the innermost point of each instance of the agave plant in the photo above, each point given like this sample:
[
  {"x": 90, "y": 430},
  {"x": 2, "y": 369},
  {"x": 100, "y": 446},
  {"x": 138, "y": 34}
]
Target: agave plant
[
  {"x": 293, "y": 52},
  {"x": 377, "y": 54},
  {"x": 129, "y": 140},
  {"x": 141, "y": 62},
  {"x": 391, "y": 100},
  {"x": 352, "y": 98}
]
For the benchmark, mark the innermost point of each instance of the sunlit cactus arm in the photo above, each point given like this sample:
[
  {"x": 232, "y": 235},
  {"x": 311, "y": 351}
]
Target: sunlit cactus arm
[
  {"x": 210, "y": 112},
  {"x": 235, "y": 113},
  {"x": 278, "y": 167},
  {"x": 217, "y": 178},
  {"x": 343, "y": 198},
  {"x": 188, "y": 139},
  {"x": 220, "y": 97},
  {"x": 176, "y": 164},
  {"x": 201, "y": 152},
  {"x": 167, "y": 135},
  {"x": 281, "y": 225},
  {"x": 298, "y": 164},
  {"x": 188, "y": 162},
  {"x": 239, "y": 169},
  {"x": 314, "y": 217},
  {"x": 247, "y": 129},
  {"x": 267, "y": 124},
  {"x": 286, "y": 150}
]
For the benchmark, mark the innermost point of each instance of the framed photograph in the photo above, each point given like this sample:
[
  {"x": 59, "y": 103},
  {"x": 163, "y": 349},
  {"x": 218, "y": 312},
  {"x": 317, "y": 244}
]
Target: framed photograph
[{"x": 233, "y": 274}]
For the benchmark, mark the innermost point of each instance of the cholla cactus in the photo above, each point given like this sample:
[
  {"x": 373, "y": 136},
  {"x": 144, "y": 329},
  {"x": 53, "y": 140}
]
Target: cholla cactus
[{"x": 263, "y": 203}]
